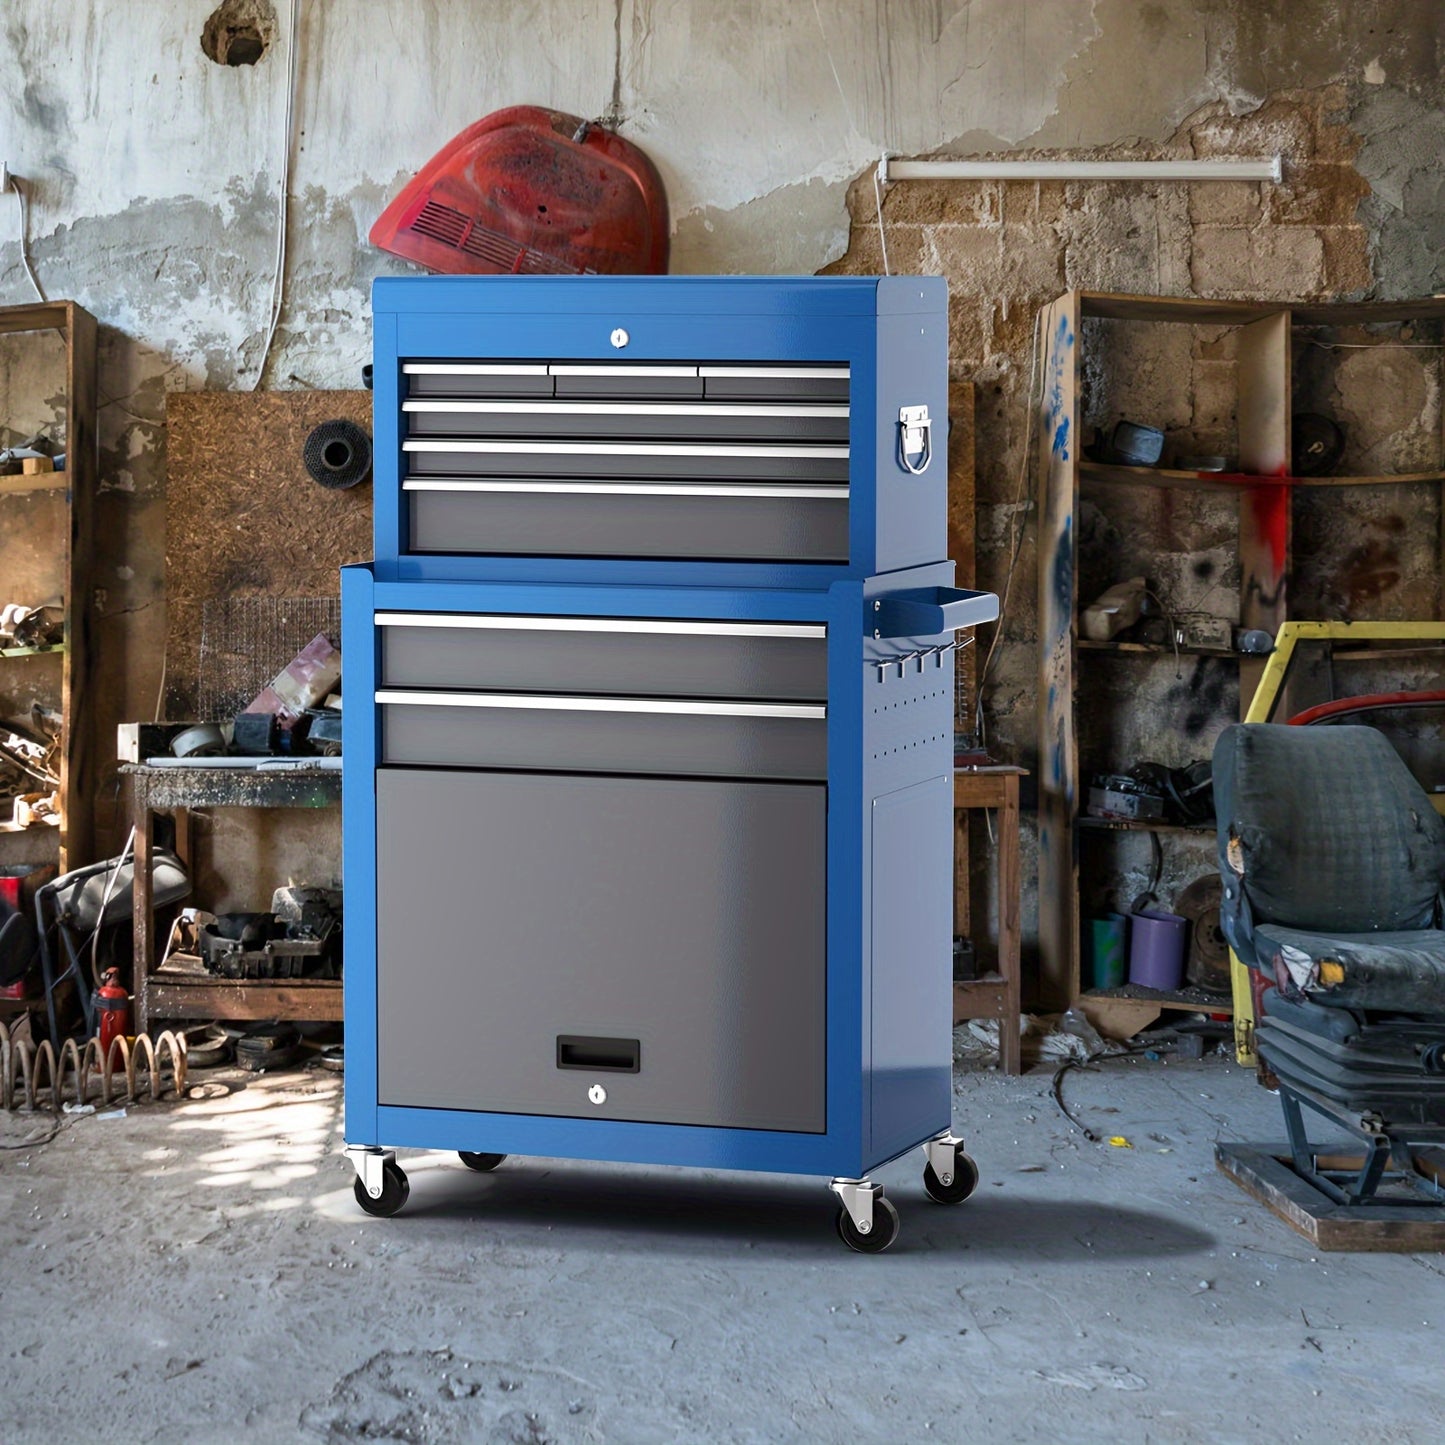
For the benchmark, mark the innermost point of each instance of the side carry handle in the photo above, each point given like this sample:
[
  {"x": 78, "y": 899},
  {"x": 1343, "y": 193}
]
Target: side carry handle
[{"x": 927, "y": 611}]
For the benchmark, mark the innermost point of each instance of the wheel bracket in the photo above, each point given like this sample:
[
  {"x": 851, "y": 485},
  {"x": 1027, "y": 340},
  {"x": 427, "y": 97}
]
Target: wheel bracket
[
  {"x": 857, "y": 1197},
  {"x": 370, "y": 1165},
  {"x": 941, "y": 1152}
]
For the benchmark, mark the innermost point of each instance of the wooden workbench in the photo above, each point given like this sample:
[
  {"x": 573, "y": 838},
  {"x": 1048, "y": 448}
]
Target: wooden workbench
[{"x": 186, "y": 994}]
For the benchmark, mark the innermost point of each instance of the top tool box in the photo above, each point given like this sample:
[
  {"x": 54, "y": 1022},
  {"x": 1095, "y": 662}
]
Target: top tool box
[
  {"x": 648, "y": 795},
  {"x": 726, "y": 431}
]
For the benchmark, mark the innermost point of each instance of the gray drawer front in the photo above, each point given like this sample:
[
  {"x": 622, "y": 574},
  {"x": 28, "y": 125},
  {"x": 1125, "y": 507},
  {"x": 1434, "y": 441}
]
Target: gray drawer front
[
  {"x": 622, "y": 420},
  {"x": 466, "y": 735},
  {"x": 622, "y": 380},
  {"x": 611, "y": 525},
  {"x": 476, "y": 378},
  {"x": 571, "y": 656},
  {"x": 514, "y": 908},
  {"x": 655, "y": 461},
  {"x": 721, "y": 381},
  {"x": 775, "y": 383},
  {"x": 678, "y": 383}
]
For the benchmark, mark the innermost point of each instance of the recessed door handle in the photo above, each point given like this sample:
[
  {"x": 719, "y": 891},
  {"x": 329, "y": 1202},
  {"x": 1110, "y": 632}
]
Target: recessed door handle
[{"x": 599, "y": 1055}]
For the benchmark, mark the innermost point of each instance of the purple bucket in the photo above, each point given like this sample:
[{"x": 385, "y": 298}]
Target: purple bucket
[{"x": 1156, "y": 949}]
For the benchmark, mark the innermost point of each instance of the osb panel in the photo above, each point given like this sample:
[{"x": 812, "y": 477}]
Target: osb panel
[{"x": 244, "y": 518}]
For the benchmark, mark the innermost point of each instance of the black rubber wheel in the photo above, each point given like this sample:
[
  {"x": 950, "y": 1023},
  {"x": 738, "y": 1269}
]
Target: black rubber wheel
[
  {"x": 482, "y": 1163},
  {"x": 965, "y": 1180},
  {"x": 883, "y": 1233},
  {"x": 394, "y": 1192}
]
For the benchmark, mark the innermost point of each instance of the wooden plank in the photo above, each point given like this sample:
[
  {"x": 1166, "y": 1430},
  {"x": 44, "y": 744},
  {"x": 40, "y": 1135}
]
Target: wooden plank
[
  {"x": 38, "y": 316},
  {"x": 1193, "y": 310},
  {"x": 961, "y": 534},
  {"x": 142, "y": 917},
  {"x": 1369, "y": 313},
  {"x": 1264, "y": 512},
  {"x": 45, "y": 482},
  {"x": 1117, "y": 1018},
  {"x": 961, "y": 520},
  {"x": 1058, "y": 430},
  {"x": 1001, "y": 998},
  {"x": 1262, "y": 1172},
  {"x": 1189, "y": 1000},
  {"x": 87, "y": 730},
  {"x": 168, "y": 996},
  {"x": 243, "y": 516},
  {"x": 1010, "y": 926},
  {"x": 1111, "y": 472},
  {"x": 980, "y": 998}
]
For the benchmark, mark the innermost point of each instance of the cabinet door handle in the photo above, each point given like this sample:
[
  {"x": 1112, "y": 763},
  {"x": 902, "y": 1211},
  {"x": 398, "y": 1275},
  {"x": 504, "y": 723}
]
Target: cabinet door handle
[{"x": 613, "y": 1056}]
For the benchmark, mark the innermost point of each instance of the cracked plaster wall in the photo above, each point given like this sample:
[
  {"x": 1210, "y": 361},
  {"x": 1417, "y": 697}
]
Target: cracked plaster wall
[{"x": 153, "y": 175}]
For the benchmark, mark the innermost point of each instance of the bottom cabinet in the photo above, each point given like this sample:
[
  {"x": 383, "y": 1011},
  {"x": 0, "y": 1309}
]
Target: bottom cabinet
[{"x": 635, "y": 948}]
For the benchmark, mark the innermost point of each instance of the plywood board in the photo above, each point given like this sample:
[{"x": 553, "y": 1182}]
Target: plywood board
[{"x": 243, "y": 516}]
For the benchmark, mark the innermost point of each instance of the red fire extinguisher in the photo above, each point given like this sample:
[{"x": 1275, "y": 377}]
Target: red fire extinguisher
[{"x": 112, "y": 1009}]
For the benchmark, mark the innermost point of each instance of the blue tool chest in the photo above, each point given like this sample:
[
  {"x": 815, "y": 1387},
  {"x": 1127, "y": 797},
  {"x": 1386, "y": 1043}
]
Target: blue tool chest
[{"x": 648, "y": 786}]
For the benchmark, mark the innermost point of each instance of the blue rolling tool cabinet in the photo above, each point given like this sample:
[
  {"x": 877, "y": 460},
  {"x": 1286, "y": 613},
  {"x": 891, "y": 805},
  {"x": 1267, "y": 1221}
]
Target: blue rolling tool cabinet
[{"x": 648, "y": 788}]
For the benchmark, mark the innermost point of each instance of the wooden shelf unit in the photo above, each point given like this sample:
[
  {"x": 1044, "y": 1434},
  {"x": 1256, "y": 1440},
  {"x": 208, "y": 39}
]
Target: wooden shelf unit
[
  {"x": 1264, "y": 489},
  {"x": 74, "y": 489}
]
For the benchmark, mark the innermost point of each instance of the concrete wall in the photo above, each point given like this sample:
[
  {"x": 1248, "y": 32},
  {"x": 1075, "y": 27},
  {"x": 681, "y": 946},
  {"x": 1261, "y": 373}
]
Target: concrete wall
[{"x": 153, "y": 174}]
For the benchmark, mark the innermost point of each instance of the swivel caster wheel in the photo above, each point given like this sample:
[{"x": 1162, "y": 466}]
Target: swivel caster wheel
[
  {"x": 394, "y": 1192},
  {"x": 482, "y": 1163},
  {"x": 879, "y": 1237},
  {"x": 951, "y": 1187}
]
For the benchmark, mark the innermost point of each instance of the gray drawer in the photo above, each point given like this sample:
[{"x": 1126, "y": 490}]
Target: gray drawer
[
  {"x": 620, "y": 656},
  {"x": 571, "y": 733},
  {"x": 476, "y": 378},
  {"x": 601, "y": 379},
  {"x": 563, "y": 518},
  {"x": 583, "y": 459},
  {"x": 519, "y": 908},
  {"x": 677, "y": 381},
  {"x": 775, "y": 383},
  {"x": 470, "y": 417}
]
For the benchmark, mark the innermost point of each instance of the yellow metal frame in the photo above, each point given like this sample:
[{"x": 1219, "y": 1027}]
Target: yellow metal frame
[{"x": 1261, "y": 709}]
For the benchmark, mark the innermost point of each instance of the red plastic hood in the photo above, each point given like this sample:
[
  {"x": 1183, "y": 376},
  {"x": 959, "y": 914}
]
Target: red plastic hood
[{"x": 531, "y": 191}]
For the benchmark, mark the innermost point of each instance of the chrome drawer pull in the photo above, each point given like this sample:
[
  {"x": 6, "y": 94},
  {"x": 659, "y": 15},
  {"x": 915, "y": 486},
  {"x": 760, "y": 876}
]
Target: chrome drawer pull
[
  {"x": 780, "y": 373},
  {"x": 647, "y": 627},
  {"x": 685, "y": 707},
  {"x": 629, "y": 449},
  {"x": 789, "y": 410},
  {"x": 472, "y": 368},
  {"x": 776, "y": 491},
  {"x": 557, "y": 369}
]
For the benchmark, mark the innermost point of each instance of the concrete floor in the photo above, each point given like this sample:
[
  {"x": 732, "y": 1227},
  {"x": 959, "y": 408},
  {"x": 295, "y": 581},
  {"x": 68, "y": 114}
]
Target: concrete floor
[{"x": 199, "y": 1272}]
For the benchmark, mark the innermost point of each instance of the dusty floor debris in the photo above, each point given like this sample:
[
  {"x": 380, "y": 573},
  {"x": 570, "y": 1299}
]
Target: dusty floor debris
[{"x": 200, "y": 1269}]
